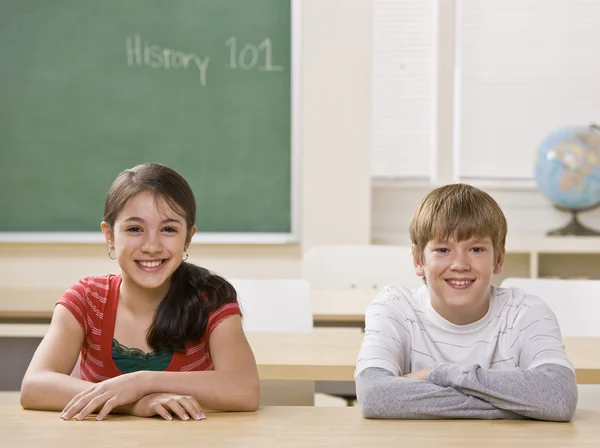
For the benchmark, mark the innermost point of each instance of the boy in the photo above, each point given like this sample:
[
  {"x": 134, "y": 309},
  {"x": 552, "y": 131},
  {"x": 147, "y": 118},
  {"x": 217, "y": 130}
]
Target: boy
[{"x": 459, "y": 347}]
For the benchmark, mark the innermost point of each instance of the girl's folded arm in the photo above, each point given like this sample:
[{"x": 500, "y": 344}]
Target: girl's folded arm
[
  {"x": 48, "y": 384},
  {"x": 233, "y": 385}
]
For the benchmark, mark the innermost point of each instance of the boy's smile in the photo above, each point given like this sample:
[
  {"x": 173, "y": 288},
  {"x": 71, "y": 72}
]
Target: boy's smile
[{"x": 459, "y": 275}]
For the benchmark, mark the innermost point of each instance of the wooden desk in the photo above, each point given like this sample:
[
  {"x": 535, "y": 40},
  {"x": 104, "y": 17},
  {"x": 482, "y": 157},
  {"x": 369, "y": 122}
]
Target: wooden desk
[
  {"x": 341, "y": 308},
  {"x": 331, "y": 355},
  {"x": 330, "y": 308},
  {"x": 290, "y": 426},
  {"x": 28, "y": 305}
]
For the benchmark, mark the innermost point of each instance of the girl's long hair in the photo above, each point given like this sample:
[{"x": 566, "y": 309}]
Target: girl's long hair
[{"x": 183, "y": 314}]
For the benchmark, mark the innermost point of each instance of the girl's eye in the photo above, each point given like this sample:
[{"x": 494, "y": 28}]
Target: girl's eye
[
  {"x": 170, "y": 229},
  {"x": 134, "y": 229}
]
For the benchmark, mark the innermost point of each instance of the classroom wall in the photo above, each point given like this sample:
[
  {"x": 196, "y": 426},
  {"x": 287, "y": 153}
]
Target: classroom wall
[
  {"x": 335, "y": 165},
  {"x": 337, "y": 203}
]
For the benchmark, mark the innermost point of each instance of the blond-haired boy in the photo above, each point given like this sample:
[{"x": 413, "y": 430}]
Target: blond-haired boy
[{"x": 459, "y": 347}]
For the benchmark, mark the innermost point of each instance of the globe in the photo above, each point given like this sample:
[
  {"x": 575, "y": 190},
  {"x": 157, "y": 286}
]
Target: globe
[{"x": 567, "y": 172}]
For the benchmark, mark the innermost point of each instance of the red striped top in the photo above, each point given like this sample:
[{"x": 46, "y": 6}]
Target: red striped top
[{"x": 93, "y": 301}]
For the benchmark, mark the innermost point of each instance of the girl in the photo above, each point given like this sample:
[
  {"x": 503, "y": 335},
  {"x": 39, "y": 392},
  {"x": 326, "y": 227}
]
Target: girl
[{"x": 163, "y": 337}]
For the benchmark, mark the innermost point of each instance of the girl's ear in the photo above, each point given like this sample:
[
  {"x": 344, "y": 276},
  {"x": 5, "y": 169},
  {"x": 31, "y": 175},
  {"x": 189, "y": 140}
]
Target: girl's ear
[{"x": 108, "y": 234}]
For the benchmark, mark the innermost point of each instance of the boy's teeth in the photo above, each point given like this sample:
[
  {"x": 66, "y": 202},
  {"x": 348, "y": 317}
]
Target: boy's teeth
[
  {"x": 150, "y": 264},
  {"x": 460, "y": 282}
]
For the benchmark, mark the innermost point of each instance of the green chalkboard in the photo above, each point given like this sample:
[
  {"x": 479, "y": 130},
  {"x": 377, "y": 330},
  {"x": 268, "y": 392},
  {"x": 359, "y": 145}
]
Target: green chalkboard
[{"x": 89, "y": 88}]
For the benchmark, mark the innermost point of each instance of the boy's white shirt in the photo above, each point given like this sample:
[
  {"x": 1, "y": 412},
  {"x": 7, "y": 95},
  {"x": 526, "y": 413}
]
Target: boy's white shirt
[{"x": 405, "y": 334}]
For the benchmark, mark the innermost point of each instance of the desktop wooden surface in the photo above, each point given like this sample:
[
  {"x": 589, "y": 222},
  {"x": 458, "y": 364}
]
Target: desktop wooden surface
[
  {"x": 341, "y": 308},
  {"x": 331, "y": 355},
  {"x": 289, "y": 426},
  {"x": 329, "y": 307}
]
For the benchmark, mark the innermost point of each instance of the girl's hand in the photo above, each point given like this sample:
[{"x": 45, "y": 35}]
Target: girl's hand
[
  {"x": 107, "y": 395},
  {"x": 184, "y": 406},
  {"x": 421, "y": 375}
]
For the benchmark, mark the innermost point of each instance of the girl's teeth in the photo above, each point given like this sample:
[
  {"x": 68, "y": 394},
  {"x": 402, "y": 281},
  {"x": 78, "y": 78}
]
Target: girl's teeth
[{"x": 150, "y": 264}]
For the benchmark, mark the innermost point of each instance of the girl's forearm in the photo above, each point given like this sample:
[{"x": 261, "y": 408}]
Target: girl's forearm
[
  {"x": 50, "y": 391},
  {"x": 222, "y": 390}
]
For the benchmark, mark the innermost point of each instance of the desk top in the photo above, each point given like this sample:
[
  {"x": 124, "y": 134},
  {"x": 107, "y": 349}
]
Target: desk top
[
  {"x": 289, "y": 426},
  {"x": 347, "y": 307},
  {"x": 330, "y": 355},
  {"x": 328, "y": 306}
]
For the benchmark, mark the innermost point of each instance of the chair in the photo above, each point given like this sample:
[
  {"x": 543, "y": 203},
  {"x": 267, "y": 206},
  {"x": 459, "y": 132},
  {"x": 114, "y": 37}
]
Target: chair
[
  {"x": 568, "y": 299},
  {"x": 278, "y": 306},
  {"x": 275, "y": 305},
  {"x": 360, "y": 267},
  {"x": 576, "y": 304}
]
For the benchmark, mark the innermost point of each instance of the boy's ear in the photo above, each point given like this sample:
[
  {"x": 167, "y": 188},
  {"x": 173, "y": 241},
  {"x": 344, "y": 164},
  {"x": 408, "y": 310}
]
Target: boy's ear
[
  {"x": 108, "y": 234},
  {"x": 417, "y": 262},
  {"x": 499, "y": 266}
]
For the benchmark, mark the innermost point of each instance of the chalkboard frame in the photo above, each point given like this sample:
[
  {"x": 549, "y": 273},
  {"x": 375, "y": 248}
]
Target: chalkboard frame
[{"x": 222, "y": 237}]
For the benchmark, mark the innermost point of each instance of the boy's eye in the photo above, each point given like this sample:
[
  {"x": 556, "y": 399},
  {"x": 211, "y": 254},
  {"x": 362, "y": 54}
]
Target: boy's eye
[
  {"x": 478, "y": 249},
  {"x": 442, "y": 250}
]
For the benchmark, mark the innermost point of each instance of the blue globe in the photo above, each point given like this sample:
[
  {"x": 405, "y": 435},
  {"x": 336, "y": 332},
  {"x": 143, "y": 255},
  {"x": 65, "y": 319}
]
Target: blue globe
[{"x": 567, "y": 167}]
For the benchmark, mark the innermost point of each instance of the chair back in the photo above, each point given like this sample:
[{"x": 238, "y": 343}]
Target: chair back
[
  {"x": 274, "y": 305},
  {"x": 576, "y": 303}
]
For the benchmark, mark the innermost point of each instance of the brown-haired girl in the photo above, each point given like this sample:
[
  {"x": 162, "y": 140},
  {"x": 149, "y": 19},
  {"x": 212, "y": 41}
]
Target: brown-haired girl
[{"x": 162, "y": 337}]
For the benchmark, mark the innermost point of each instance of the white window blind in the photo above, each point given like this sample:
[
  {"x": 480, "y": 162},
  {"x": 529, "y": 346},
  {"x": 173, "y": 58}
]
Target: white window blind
[
  {"x": 404, "y": 78},
  {"x": 524, "y": 68}
]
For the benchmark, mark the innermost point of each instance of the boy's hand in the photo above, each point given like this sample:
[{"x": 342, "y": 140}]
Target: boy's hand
[
  {"x": 421, "y": 375},
  {"x": 184, "y": 406}
]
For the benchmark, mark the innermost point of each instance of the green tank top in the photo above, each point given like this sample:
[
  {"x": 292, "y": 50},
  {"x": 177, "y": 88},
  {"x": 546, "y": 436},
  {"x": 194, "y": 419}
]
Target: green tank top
[{"x": 130, "y": 360}]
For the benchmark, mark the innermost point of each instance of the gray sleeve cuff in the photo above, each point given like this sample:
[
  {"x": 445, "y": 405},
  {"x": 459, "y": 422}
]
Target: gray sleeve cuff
[{"x": 447, "y": 374}]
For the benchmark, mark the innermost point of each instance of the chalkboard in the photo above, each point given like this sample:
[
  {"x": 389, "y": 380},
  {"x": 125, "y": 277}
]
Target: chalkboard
[{"x": 90, "y": 88}]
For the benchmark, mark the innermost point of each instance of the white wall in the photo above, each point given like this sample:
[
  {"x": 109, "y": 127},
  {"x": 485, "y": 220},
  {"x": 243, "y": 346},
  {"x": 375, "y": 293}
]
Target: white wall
[{"x": 335, "y": 177}]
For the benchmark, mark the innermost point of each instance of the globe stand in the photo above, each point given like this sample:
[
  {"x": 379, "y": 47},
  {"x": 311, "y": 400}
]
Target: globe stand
[{"x": 574, "y": 227}]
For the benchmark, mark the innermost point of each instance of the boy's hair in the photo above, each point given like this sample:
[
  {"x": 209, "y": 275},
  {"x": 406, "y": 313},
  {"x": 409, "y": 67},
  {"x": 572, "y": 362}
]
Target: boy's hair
[{"x": 458, "y": 211}]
